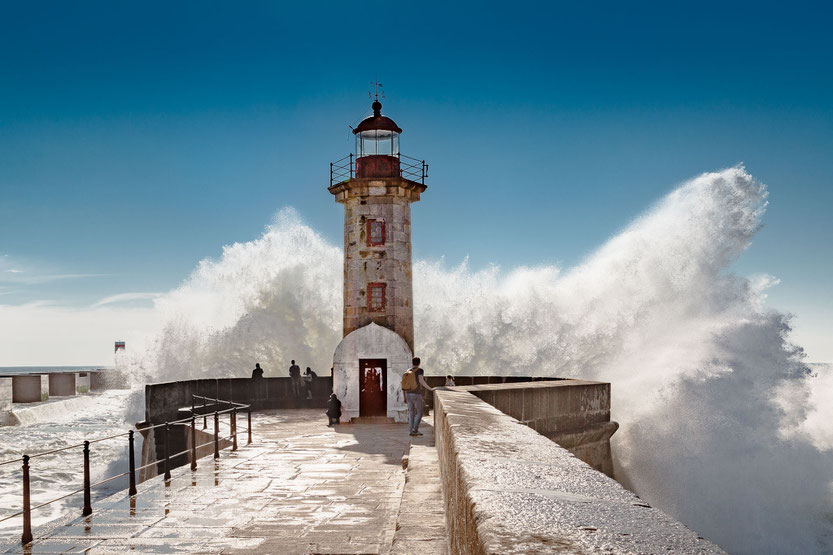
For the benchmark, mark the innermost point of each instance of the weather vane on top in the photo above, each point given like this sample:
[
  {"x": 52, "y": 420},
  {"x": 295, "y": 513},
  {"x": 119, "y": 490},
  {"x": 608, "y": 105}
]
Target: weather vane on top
[{"x": 378, "y": 90}]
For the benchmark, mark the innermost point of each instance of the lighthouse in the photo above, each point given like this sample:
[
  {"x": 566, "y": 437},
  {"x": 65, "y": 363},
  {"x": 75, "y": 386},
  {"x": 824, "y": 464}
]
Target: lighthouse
[{"x": 376, "y": 185}]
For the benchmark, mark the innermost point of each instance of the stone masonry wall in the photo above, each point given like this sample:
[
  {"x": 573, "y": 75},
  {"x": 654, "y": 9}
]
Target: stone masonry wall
[
  {"x": 390, "y": 264},
  {"x": 63, "y": 383},
  {"x": 30, "y": 388},
  {"x": 508, "y": 489},
  {"x": 573, "y": 413},
  {"x": 163, "y": 401}
]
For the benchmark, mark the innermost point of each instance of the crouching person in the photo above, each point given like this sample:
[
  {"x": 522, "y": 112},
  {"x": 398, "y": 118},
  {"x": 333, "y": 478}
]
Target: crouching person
[{"x": 333, "y": 410}]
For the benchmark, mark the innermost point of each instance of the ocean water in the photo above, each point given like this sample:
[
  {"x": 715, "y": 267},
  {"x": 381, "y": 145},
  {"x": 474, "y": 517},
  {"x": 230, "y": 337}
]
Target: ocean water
[
  {"x": 724, "y": 425},
  {"x": 93, "y": 416}
]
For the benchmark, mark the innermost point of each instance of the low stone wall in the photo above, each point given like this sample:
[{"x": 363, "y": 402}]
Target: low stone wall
[
  {"x": 439, "y": 381},
  {"x": 508, "y": 489},
  {"x": 63, "y": 384},
  {"x": 573, "y": 413},
  {"x": 29, "y": 388},
  {"x": 163, "y": 400}
]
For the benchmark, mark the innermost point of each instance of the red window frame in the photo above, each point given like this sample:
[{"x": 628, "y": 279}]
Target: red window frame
[
  {"x": 370, "y": 288},
  {"x": 370, "y": 241}
]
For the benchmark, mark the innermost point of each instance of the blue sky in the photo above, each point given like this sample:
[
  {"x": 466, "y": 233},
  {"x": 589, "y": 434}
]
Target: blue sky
[{"x": 137, "y": 139}]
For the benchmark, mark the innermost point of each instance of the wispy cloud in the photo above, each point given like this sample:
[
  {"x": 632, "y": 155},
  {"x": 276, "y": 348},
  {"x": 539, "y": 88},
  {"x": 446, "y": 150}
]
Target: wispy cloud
[
  {"x": 28, "y": 279},
  {"x": 125, "y": 297},
  {"x": 13, "y": 271}
]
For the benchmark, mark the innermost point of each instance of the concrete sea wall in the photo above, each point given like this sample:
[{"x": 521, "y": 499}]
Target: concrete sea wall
[
  {"x": 35, "y": 389},
  {"x": 63, "y": 384},
  {"x": 163, "y": 401},
  {"x": 30, "y": 388},
  {"x": 509, "y": 489},
  {"x": 573, "y": 413}
]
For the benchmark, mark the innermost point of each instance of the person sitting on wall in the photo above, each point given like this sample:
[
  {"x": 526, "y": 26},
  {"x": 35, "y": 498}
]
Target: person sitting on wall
[
  {"x": 309, "y": 377},
  {"x": 333, "y": 410},
  {"x": 449, "y": 381},
  {"x": 295, "y": 379},
  {"x": 257, "y": 372}
]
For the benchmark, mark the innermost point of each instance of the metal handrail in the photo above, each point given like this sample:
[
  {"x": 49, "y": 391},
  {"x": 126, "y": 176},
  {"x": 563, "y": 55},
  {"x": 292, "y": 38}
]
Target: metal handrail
[
  {"x": 27, "y": 537},
  {"x": 409, "y": 167},
  {"x": 413, "y": 167},
  {"x": 219, "y": 400}
]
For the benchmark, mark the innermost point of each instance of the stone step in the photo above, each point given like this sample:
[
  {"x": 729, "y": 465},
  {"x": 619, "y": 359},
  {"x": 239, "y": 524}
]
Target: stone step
[{"x": 372, "y": 420}]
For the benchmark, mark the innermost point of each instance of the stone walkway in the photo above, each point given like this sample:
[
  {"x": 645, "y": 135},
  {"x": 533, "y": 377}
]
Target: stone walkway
[{"x": 299, "y": 488}]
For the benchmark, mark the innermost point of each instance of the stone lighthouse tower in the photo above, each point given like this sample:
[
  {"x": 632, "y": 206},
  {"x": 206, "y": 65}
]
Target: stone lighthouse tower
[{"x": 376, "y": 187}]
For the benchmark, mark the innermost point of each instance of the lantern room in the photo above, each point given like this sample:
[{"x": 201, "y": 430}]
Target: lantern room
[{"x": 377, "y": 145}]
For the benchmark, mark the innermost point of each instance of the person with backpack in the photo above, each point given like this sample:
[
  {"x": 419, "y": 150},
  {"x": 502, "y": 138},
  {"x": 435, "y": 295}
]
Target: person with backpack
[{"x": 413, "y": 383}]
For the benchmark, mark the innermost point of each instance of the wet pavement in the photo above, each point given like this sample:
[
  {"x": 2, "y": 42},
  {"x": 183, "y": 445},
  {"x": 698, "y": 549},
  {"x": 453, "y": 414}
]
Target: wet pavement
[{"x": 301, "y": 487}]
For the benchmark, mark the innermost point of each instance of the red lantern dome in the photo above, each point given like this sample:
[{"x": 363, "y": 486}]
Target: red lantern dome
[{"x": 377, "y": 145}]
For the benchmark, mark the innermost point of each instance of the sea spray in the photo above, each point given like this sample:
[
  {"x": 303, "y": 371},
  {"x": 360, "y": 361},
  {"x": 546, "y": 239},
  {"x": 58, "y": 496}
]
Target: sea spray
[
  {"x": 709, "y": 392},
  {"x": 269, "y": 300}
]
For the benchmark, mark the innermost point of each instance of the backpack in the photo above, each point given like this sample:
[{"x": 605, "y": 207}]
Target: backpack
[{"x": 409, "y": 381}]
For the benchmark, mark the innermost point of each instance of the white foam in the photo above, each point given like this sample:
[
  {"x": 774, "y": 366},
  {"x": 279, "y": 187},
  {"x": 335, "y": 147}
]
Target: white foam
[{"x": 54, "y": 411}]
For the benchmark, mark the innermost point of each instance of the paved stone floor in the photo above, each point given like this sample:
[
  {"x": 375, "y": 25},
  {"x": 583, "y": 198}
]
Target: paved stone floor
[{"x": 299, "y": 488}]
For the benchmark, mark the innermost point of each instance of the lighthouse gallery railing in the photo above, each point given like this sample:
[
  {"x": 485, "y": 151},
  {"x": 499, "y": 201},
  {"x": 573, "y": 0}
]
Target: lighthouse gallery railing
[{"x": 409, "y": 168}]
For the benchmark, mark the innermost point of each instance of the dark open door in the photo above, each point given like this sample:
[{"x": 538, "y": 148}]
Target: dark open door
[{"x": 373, "y": 385}]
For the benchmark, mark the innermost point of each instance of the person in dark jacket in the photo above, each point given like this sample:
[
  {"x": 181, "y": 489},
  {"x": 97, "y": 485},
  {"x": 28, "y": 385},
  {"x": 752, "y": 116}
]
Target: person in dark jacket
[
  {"x": 295, "y": 379},
  {"x": 333, "y": 410},
  {"x": 257, "y": 372}
]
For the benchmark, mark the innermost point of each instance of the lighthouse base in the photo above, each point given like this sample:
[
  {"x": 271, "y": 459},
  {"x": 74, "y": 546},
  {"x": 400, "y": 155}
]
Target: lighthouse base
[{"x": 367, "y": 374}]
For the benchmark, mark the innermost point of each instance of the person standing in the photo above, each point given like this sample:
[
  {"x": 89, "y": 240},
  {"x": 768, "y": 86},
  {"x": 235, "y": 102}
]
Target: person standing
[
  {"x": 449, "y": 381},
  {"x": 413, "y": 384},
  {"x": 309, "y": 377},
  {"x": 257, "y": 372},
  {"x": 295, "y": 379}
]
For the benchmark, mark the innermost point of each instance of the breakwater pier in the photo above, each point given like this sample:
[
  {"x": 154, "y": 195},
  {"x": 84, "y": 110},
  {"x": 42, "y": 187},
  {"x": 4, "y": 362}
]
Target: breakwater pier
[
  {"x": 24, "y": 395},
  {"x": 487, "y": 476}
]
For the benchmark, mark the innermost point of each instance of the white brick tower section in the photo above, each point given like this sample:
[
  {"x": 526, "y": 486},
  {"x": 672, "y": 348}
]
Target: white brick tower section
[{"x": 377, "y": 229}]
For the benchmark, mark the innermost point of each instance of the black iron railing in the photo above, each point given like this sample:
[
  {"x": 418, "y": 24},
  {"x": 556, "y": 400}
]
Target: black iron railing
[
  {"x": 232, "y": 410},
  {"x": 409, "y": 168},
  {"x": 342, "y": 170},
  {"x": 413, "y": 169}
]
